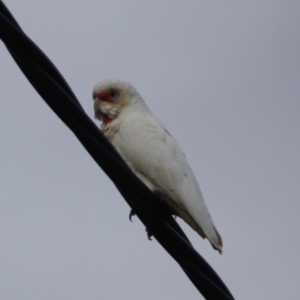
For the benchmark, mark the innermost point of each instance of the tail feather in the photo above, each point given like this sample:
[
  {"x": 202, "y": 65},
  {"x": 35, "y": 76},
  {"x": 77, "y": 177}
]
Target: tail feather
[{"x": 216, "y": 241}]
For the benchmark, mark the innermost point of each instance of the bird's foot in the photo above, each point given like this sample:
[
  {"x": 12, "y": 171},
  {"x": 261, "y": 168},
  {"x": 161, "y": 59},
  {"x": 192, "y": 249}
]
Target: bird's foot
[
  {"x": 149, "y": 234},
  {"x": 131, "y": 214}
]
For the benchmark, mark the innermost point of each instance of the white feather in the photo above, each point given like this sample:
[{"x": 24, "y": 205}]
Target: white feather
[{"x": 156, "y": 158}]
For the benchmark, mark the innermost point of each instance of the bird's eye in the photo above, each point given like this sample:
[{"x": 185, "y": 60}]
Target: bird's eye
[{"x": 114, "y": 95}]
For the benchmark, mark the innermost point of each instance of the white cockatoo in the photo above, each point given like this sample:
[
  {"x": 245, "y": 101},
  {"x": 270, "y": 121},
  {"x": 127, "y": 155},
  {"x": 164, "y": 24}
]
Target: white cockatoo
[{"x": 152, "y": 153}]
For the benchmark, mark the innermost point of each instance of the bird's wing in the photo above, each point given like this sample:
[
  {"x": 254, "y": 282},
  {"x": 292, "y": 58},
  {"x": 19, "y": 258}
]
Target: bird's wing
[{"x": 157, "y": 159}]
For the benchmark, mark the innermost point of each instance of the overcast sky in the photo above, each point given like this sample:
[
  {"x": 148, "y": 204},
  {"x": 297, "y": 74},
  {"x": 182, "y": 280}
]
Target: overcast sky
[{"x": 223, "y": 76}]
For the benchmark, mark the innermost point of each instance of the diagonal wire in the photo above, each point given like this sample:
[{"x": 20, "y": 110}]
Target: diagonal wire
[{"x": 53, "y": 88}]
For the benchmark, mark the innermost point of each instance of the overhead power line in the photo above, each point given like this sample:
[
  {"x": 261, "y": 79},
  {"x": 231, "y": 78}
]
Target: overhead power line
[{"x": 55, "y": 91}]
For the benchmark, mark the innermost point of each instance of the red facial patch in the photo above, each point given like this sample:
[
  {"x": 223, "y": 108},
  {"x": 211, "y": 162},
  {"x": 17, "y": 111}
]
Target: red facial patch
[
  {"x": 104, "y": 96},
  {"x": 106, "y": 120}
]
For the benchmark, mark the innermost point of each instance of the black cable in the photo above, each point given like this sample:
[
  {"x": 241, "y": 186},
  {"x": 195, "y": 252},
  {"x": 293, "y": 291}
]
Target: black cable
[{"x": 53, "y": 88}]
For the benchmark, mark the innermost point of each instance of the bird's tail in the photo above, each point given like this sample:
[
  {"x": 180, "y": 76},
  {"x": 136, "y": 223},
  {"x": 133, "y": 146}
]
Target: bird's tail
[
  {"x": 220, "y": 242},
  {"x": 214, "y": 239},
  {"x": 213, "y": 236}
]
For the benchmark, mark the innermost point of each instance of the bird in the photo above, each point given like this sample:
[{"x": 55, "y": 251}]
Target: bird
[{"x": 152, "y": 154}]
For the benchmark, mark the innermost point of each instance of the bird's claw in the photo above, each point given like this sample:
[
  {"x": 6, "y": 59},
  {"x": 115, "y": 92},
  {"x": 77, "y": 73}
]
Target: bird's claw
[
  {"x": 149, "y": 234},
  {"x": 131, "y": 214}
]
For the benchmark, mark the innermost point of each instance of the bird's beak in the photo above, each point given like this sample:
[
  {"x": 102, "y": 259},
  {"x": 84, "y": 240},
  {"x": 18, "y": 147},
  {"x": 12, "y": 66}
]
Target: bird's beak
[{"x": 97, "y": 110}]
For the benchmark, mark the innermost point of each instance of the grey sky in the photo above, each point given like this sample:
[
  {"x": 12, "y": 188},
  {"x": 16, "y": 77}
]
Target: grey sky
[{"x": 223, "y": 76}]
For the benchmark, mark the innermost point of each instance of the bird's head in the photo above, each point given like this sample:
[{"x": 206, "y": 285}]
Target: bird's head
[{"x": 112, "y": 96}]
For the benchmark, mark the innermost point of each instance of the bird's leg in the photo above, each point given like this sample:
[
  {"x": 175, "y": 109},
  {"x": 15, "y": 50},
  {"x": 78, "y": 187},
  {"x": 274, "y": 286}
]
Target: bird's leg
[
  {"x": 131, "y": 214},
  {"x": 149, "y": 234},
  {"x": 163, "y": 200}
]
